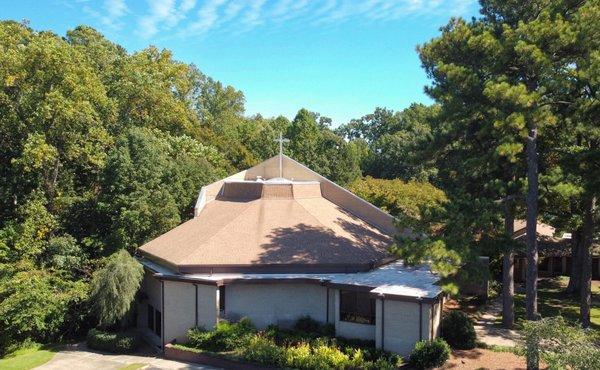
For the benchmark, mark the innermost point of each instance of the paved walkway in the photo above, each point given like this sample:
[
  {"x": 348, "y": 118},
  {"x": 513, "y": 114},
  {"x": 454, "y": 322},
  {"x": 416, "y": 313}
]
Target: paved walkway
[
  {"x": 488, "y": 327},
  {"x": 78, "y": 357}
]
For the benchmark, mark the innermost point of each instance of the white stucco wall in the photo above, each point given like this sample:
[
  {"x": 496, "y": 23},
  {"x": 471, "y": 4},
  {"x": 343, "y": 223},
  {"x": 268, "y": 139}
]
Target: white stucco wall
[
  {"x": 151, "y": 288},
  {"x": 400, "y": 325},
  {"x": 349, "y": 329},
  {"x": 280, "y": 304}
]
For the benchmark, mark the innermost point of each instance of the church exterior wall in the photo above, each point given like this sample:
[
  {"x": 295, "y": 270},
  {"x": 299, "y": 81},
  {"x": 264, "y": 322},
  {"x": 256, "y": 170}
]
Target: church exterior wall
[
  {"x": 403, "y": 325},
  {"x": 179, "y": 306},
  {"x": 398, "y": 324},
  {"x": 281, "y": 304},
  {"x": 151, "y": 288}
]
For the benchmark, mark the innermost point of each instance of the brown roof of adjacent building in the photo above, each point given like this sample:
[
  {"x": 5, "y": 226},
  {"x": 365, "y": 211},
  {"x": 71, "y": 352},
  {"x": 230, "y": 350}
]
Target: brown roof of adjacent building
[{"x": 276, "y": 225}]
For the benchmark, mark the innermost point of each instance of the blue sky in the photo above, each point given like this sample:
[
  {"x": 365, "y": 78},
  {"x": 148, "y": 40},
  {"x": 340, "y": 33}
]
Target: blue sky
[{"x": 340, "y": 58}]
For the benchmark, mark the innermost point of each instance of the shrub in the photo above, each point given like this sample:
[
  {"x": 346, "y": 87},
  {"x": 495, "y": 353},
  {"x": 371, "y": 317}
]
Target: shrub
[
  {"x": 263, "y": 351},
  {"x": 428, "y": 354},
  {"x": 225, "y": 337},
  {"x": 307, "y": 324},
  {"x": 122, "y": 342},
  {"x": 458, "y": 330}
]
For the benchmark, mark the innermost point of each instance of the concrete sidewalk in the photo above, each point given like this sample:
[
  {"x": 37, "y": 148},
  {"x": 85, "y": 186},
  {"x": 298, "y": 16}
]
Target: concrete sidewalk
[{"x": 78, "y": 357}]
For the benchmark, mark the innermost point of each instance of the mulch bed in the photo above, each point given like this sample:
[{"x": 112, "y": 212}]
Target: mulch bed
[{"x": 485, "y": 359}]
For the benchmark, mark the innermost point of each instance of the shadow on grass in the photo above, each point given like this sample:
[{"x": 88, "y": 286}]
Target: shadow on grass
[{"x": 554, "y": 301}]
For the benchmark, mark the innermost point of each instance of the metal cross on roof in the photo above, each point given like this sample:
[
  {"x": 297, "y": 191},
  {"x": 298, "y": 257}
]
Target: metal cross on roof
[{"x": 281, "y": 140}]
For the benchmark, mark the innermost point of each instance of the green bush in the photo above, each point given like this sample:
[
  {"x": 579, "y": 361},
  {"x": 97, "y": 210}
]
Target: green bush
[
  {"x": 298, "y": 349},
  {"x": 264, "y": 351},
  {"x": 458, "y": 330},
  {"x": 307, "y": 324},
  {"x": 428, "y": 354},
  {"x": 122, "y": 342},
  {"x": 225, "y": 337}
]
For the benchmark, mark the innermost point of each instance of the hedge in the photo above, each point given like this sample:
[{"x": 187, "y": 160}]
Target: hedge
[{"x": 121, "y": 342}]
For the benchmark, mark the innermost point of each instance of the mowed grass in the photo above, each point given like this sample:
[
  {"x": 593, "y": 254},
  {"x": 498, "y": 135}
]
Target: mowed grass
[
  {"x": 27, "y": 358},
  {"x": 553, "y": 301}
]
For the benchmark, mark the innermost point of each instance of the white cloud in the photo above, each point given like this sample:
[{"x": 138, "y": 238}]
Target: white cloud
[
  {"x": 164, "y": 14},
  {"x": 207, "y": 16},
  {"x": 111, "y": 13},
  {"x": 197, "y": 17}
]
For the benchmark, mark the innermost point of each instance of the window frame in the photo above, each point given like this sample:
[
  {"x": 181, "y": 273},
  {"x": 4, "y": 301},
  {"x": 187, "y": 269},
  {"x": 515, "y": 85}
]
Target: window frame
[{"x": 352, "y": 310}]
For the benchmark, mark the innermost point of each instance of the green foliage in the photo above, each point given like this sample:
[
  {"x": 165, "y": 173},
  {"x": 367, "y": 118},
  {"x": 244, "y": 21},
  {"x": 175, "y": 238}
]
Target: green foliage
[
  {"x": 458, "y": 330},
  {"x": 315, "y": 145},
  {"x": 299, "y": 349},
  {"x": 395, "y": 142},
  {"x": 226, "y": 336},
  {"x": 307, "y": 324},
  {"x": 560, "y": 345},
  {"x": 114, "y": 287},
  {"x": 405, "y": 200},
  {"x": 263, "y": 351},
  {"x": 429, "y": 354},
  {"x": 121, "y": 342},
  {"x": 37, "y": 305}
]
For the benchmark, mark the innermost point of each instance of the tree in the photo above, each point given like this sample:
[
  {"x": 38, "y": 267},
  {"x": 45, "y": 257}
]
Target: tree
[
  {"x": 151, "y": 181},
  {"x": 395, "y": 141},
  {"x": 114, "y": 288},
  {"x": 38, "y": 306},
  {"x": 315, "y": 145},
  {"x": 476, "y": 146},
  {"x": 401, "y": 199}
]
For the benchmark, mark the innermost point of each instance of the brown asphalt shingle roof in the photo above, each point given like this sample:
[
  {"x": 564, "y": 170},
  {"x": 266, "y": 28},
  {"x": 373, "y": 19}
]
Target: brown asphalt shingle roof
[{"x": 254, "y": 224}]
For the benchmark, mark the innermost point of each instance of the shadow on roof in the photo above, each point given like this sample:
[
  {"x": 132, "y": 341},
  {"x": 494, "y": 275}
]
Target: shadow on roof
[{"x": 308, "y": 244}]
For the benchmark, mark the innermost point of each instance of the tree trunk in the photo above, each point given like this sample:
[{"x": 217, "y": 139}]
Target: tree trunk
[
  {"x": 586, "y": 261},
  {"x": 575, "y": 275},
  {"x": 508, "y": 282},
  {"x": 532, "y": 213}
]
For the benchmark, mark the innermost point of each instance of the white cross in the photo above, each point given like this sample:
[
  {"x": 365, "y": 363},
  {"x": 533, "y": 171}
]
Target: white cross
[{"x": 281, "y": 140}]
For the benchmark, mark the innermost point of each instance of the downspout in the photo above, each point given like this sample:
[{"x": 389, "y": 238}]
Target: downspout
[
  {"x": 420, "y": 319},
  {"x": 162, "y": 316},
  {"x": 383, "y": 322},
  {"x": 327, "y": 313},
  {"x": 196, "y": 305},
  {"x": 431, "y": 320}
]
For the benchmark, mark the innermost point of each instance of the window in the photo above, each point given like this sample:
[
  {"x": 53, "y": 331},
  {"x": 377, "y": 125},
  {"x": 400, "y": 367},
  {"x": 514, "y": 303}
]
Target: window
[
  {"x": 150, "y": 319},
  {"x": 357, "y": 307},
  {"x": 222, "y": 298},
  {"x": 157, "y": 322}
]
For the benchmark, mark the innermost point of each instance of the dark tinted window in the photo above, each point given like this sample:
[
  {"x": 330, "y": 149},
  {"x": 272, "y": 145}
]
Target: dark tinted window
[
  {"x": 222, "y": 298},
  {"x": 157, "y": 322},
  {"x": 150, "y": 319},
  {"x": 357, "y": 307}
]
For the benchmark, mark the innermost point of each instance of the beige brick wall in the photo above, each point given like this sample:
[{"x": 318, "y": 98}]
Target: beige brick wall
[
  {"x": 151, "y": 287},
  {"x": 280, "y": 304},
  {"x": 401, "y": 325},
  {"x": 179, "y": 306}
]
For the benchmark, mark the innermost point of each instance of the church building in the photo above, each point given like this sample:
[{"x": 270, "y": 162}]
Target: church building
[{"x": 277, "y": 242}]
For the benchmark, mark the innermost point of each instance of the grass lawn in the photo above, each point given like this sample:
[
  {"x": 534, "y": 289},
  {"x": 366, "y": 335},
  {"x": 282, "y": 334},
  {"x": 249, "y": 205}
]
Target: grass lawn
[
  {"x": 27, "y": 358},
  {"x": 552, "y": 301}
]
